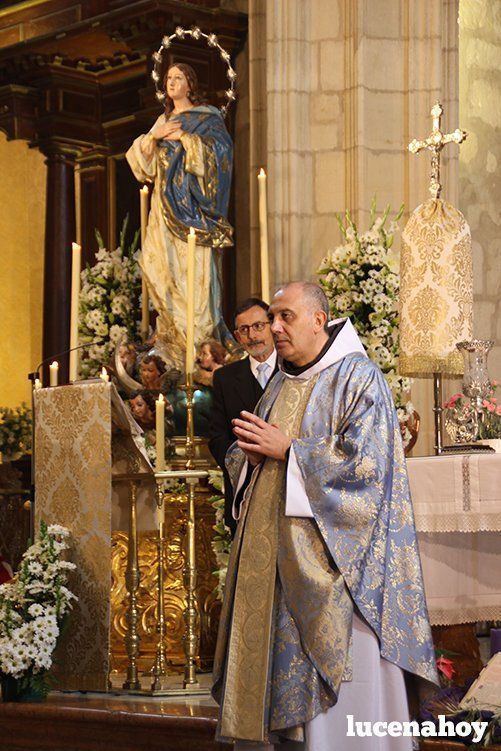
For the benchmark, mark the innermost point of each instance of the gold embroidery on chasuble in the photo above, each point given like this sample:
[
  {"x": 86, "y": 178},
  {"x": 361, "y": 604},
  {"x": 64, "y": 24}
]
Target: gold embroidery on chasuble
[{"x": 290, "y": 624}]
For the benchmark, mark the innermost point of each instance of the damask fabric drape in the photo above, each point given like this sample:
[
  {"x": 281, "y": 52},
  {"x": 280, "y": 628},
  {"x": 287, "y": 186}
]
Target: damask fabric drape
[
  {"x": 436, "y": 289},
  {"x": 73, "y": 488},
  {"x": 192, "y": 179}
]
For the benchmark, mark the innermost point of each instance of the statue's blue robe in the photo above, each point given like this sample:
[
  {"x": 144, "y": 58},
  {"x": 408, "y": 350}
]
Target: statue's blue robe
[{"x": 188, "y": 203}]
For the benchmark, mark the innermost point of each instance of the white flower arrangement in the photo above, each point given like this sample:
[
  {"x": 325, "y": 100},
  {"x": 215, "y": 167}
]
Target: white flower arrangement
[
  {"x": 109, "y": 305},
  {"x": 361, "y": 280},
  {"x": 33, "y": 606}
]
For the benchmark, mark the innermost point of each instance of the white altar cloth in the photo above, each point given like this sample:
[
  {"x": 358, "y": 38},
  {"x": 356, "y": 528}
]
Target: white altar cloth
[
  {"x": 457, "y": 506},
  {"x": 456, "y": 493}
]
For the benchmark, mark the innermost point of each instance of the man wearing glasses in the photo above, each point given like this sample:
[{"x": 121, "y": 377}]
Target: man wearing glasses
[{"x": 240, "y": 385}]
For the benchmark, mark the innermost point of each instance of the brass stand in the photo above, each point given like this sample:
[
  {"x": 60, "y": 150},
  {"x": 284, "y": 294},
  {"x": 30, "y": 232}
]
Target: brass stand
[
  {"x": 437, "y": 410},
  {"x": 159, "y": 671},
  {"x": 190, "y": 443},
  {"x": 190, "y": 639},
  {"x": 132, "y": 584},
  {"x": 164, "y": 684}
]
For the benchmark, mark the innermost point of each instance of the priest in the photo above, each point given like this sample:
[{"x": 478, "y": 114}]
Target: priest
[{"x": 324, "y": 605}]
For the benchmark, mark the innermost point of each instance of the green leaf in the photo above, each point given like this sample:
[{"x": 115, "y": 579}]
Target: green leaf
[
  {"x": 99, "y": 238},
  {"x": 123, "y": 231}
]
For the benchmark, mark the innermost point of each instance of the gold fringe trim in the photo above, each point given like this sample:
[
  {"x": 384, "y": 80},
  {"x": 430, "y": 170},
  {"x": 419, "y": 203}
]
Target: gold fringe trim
[{"x": 421, "y": 365}]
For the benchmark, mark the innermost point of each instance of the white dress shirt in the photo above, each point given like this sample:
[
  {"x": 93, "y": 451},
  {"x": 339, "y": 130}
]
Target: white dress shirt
[{"x": 271, "y": 362}]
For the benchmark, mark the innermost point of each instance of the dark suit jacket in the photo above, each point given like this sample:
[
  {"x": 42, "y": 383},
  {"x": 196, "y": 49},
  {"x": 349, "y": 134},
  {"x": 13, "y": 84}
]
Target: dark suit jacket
[{"x": 234, "y": 389}]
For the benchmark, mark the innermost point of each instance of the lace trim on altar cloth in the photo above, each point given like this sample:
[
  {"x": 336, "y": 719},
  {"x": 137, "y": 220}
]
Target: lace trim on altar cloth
[
  {"x": 452, "y": 617},
  {"x": 458, "y": 522}
]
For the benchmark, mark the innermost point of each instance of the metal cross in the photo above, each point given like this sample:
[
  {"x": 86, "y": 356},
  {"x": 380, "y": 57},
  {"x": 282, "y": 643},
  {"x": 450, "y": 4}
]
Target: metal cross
[{"x": 435, "y": 143}]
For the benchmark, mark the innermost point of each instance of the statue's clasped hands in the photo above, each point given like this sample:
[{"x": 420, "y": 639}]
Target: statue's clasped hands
[
  {"x": 170, "y": 130},
  {"x": 258, "y": 439}
]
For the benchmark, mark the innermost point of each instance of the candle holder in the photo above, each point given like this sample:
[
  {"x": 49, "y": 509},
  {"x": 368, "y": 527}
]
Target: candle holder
[
  {"x": 132, "y": 583},
  {"x": 163, "y": 684},
  {"x": 463, "y": 427},
  {"x": 190, "y": 433},
  {"x": 159, "y": 670},
  {"x": 190, "y": 638}
]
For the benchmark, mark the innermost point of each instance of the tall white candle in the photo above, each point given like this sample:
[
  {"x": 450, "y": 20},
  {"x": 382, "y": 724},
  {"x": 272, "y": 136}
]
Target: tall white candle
[
  {"x": 144, "y": 195},
  {"x": 263, "y": 236},
  {"x": 76, "y": 266},
  {"x": 190, "y": 304},
  {"x": 160, "y": 514},
  {"x": 54, "y": 373},
  {"x": 160, "y": 433}
]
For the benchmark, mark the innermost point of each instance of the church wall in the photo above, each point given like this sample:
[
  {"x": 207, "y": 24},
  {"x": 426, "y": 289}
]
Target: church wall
[
  {"x": 22, "y": 220},
  {"x": 366, "y": 73},
  {"x": 480, "y": 161}
]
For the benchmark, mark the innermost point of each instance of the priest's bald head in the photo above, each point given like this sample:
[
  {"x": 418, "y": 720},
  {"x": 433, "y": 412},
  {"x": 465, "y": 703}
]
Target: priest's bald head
[{"x": 298, "y": 314}]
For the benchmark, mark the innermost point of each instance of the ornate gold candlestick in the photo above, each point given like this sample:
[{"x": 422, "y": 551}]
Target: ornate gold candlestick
[
  {"x": 132, "y": 583},
  {"x": 163, "y": 684},
  {"x": 159, "y": 671},
  {"x": 190, "y": 638},
  {"x": 437, "y": 411},
  {"x": 190, "y": 443}
]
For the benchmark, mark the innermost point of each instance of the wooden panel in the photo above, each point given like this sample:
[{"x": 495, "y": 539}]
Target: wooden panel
[
  {"x": 82, "y": 724},
  {"x": 93, "y": 202},
  {"x": 10, "y": 35},
  {"x": 53, "y": 21},
  {"x": 76, "y": 103},
  {"x": 125, "y": 198}
]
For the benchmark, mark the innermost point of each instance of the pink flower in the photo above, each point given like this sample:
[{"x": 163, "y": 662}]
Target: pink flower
[
  {"x": 446, "y": 667},
  {"x": 452, "y": 401},
  {"x": 491, "y": 407},
  {"x": 498, "y": 410}
]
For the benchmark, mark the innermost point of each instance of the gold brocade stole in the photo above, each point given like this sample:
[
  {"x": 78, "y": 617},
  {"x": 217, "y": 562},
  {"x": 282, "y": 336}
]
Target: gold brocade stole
[{"x": 244, "y": 706}]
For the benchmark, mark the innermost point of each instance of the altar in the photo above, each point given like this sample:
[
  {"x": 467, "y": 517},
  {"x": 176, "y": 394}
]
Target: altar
[{"x": 457, "y": 508}]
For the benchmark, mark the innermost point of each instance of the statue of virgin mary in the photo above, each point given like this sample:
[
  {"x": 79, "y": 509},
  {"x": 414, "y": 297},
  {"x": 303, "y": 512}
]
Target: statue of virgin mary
[{"x": 188, "y": 155}]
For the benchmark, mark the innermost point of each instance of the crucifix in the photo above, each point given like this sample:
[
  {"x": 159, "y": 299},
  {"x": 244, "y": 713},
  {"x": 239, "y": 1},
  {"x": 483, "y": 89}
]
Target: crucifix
[{"x": 435, "y": 143}]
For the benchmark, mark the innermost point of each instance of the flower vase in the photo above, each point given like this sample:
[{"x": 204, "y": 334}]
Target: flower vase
[{"x": 16, "y": 689}]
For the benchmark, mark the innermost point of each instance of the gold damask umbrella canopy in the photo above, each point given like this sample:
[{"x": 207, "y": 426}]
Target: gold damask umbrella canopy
[{"x": 436, "y": 284}]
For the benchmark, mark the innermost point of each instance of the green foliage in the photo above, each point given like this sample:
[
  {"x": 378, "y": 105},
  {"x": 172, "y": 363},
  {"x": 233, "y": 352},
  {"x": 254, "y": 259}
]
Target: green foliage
[{"x": 15, "y": 430}]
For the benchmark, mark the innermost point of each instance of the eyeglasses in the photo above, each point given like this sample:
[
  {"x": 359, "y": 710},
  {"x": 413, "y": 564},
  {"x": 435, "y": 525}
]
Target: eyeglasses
[{"x": 258, "y": 326}]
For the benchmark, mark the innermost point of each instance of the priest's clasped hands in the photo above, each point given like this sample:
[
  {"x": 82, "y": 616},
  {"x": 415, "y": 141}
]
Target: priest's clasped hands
[{"x": 258, "y": 439}]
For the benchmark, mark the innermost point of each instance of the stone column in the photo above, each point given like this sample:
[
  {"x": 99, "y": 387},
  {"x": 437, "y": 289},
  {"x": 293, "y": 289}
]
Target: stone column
[
  {"x": 59, "y": 234},
  {"x": 289, "y": 158},
  {"x": 257, "y": 131},
  {"x": 480, "y": 159},
  {"x": 348, "y": 84}
]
